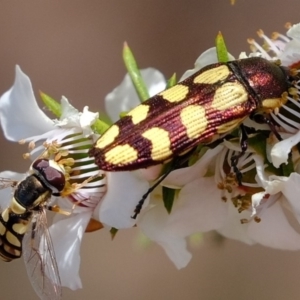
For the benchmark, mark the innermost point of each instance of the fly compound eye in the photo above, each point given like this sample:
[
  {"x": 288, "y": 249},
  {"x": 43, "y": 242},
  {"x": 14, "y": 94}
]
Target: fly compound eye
[{"x": 49, "y": 173}]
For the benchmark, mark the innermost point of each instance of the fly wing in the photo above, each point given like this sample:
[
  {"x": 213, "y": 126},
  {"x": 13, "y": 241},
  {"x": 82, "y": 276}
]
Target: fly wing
[
  {"x": 7, "y": 182},
  {"x": 39, "y": 256}
]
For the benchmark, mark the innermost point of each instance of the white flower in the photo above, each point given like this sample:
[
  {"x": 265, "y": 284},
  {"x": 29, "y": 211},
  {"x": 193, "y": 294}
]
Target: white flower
[
  {"x": 99, "y": 199},
  {"x": 124, "y": 97},
  {"x": 67, "y": 141},
  {"x": 253, "y": 212},
  {"x": 285, "y": 48}
]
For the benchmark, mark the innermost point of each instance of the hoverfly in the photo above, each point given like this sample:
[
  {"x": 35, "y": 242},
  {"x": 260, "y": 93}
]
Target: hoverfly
[{"x": 23, "y": 225}]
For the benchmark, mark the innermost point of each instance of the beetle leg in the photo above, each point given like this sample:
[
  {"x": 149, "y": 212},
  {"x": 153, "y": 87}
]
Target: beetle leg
[
  {"x": 139, "y": 206},
  {"x": 177, "y": 162},
  {"x": 235, "y": 158},
  {"x": 261, "y": 119}
]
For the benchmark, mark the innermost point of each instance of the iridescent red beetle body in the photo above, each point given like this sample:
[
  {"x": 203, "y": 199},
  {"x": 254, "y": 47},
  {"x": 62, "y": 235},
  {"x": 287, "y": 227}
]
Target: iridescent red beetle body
[{"x": 200, "y": 109}]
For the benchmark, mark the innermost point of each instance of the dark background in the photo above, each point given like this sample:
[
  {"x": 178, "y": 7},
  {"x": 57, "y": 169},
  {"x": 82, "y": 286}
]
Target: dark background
[{"x": 73, "y": 48}]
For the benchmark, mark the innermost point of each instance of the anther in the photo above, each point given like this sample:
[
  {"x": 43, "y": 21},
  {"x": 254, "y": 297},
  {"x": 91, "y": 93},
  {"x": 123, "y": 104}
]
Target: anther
[
  {"x": 31, "y": 145},
  {"x": 288, "y": 25},
  {"x": 275, "y": 35},
  {"x": 250, "y": 41},
  {"x": 260, "y": 33},
  {"x": 257, "y": 219},
  {"x": 26, "y": 155},
  {"x": 244, "y": 221}
]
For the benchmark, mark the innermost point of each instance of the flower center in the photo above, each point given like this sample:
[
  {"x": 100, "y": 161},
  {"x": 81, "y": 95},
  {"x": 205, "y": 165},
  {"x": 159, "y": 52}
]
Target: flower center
[{"x": 85, "y": 183}]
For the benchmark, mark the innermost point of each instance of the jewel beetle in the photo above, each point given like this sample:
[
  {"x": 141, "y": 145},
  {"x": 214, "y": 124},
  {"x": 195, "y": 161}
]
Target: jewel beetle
[{"x": 201, "y": 109}]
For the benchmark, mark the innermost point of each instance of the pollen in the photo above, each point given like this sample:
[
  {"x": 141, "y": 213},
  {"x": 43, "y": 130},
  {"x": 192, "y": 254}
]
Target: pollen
[
  {"x": 31, "y": 145},
  {"x": 260, "y": 33},
  {"x": 26, "y": 155}
]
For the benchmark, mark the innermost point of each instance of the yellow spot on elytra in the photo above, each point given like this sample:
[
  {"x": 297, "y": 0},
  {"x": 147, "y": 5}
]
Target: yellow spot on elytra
[
  {"x": 16, "y": 207},
  {"x": 194, "y": 120},
  {"x": 20, "y": 228},
  {"x": 213, "y": 75},
  {"x": 139, "y": 113},
  {"x": 5, "y": 215},
  {"x": 229, "y": 95},
  {"x": 122, "y": 154},
  {"x": 161, "y": 144},
  {"x": 12, "y": 239},
  {"x": 229, "y": 126},
  {"x": 176, "y": 93},
  {"x": 108, "y": 137},
  {"x": 2, "y": 229}
]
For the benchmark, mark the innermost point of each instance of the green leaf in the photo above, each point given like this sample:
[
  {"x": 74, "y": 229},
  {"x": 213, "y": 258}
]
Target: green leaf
[
  {"x": 142, "y": 241},
  {"x": 222, "y": 53},
  {"x": 288, "y": 168},
  {"x": 135, "y": 73},
  {"x": 53, "y": 105},
  {"x": 196, "y": 239},
  {"x": 172, "y": 81},
  {"x": 168, "y": 198},
  {"x": 259, "y": 142},
  {"x": 123, "y": 114},
  {"x": 100, "y": 126},
  {"x": 105, "y": 118},
  {"x": 113, "y": 231}
]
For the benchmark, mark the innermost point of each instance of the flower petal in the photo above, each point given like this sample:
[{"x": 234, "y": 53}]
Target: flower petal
[
  {"x": 280, "y": 151},
  {"x": 291, "y": 191},
  {"x": 274, "y": 229},
  {"x": 124, "y": 191},
  {"x": 181, "y": 177},
  {"x": 20, "y": 115},
  {"x": 294, "y": 32},
  {"x": 233, "y": 229},
  {"x": 206, "y": 58},
  {"x": 124, "y": 97},
  {"x": 199, "y": 209},
  {"x": 71, "y": 117},
  {"x": 87, "y": 119},
  {"x": 290, "y": 55},
  {"x": 152, "y": 223},
  {"x": 66, "y": 233}
]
